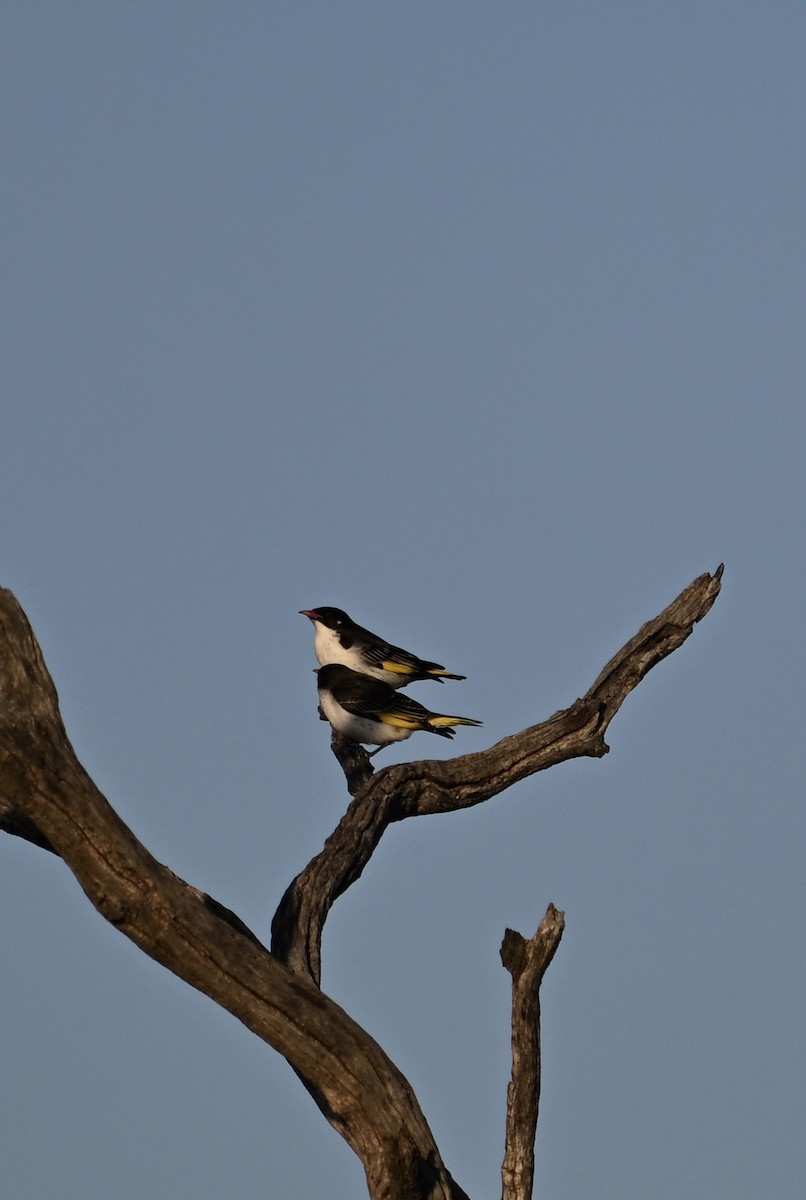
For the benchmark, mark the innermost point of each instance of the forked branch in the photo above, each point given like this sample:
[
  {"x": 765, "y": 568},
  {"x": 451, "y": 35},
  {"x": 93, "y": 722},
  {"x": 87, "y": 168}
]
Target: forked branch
[
  {"x": 432, "y": 786},
  {"x": 48, "y": 798}
]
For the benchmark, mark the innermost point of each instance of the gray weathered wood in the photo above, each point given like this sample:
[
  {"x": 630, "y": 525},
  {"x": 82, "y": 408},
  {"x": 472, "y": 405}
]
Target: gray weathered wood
[
  {"x": 47, "y": 797},
  {"x": 527, "y": 961}
]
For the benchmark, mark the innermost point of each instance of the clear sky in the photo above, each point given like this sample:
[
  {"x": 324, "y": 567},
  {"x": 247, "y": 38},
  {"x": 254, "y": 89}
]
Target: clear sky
[{"x": 484, "y": 322}]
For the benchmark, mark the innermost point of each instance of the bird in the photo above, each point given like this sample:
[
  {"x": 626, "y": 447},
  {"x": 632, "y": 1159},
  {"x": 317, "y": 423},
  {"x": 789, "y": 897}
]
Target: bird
[
  {"x": 370, "y": 711},
  {"x": 339, "y": 639}
]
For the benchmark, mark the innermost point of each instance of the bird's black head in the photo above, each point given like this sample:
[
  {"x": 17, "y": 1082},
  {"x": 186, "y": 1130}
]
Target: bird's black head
[
  {"x": 333, "y": 618},
  {"x": 333, "y": 674}
]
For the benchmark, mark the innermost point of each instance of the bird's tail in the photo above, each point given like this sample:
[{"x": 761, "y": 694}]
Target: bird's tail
[{"x": 439, "y": 721}]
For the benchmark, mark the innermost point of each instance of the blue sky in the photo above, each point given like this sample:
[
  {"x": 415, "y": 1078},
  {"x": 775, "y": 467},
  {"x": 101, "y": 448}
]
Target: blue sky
[{"x": 486, "y": 324}]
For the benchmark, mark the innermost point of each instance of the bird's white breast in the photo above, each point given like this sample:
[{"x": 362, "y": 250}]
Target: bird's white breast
[
  {"x": 328, "y": 648},
  {"x": 360, "y": 729}
]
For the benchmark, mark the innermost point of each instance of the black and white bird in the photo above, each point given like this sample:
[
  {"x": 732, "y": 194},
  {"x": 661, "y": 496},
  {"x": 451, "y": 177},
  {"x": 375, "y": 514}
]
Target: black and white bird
[
  {"x": 339, "y": 640},
  {"x": 370, "y": 711}
]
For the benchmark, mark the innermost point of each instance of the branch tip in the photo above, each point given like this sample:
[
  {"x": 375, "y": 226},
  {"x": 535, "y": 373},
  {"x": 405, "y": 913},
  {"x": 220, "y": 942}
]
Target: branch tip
[{"x": 513, "y": 950}]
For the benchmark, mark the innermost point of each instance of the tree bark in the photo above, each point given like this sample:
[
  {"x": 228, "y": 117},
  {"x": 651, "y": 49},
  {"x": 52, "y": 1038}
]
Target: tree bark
[
  {"x": 434, "y": 786},
  {"x": 47, "y": 797},
  {"x": 44, "y": 788},
  {"x": 527, "y": 962}
]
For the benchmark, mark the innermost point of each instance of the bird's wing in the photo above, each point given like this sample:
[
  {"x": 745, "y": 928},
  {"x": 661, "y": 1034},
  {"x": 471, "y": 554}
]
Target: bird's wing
[
  {"x": 396, "y": 659},
  {"x": 380, "y": 654},
  {"x": 367, "y": 697}
]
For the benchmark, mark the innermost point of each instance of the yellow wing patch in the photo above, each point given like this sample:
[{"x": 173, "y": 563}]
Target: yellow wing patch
[
  {"x": 399, "y": 720},
  {"x": 398, "y": 667}
]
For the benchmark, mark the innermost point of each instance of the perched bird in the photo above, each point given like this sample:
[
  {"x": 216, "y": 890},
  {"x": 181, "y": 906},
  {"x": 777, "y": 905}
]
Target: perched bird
[
  {"x": 340, "y": 640},
  {"x": 369, "y": 710}
]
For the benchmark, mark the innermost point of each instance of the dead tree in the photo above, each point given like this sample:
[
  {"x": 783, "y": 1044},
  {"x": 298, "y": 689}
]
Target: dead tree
[{"x": 47, "y": 797}]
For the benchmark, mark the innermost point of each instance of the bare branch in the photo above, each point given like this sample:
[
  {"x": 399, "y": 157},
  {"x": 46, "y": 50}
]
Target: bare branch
[
  {"x": 431, "y": 786},
  {"x": 48, "y": 798},
  {"x": 44, "y": 788},
  {"x": 527, "y": 962}
]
